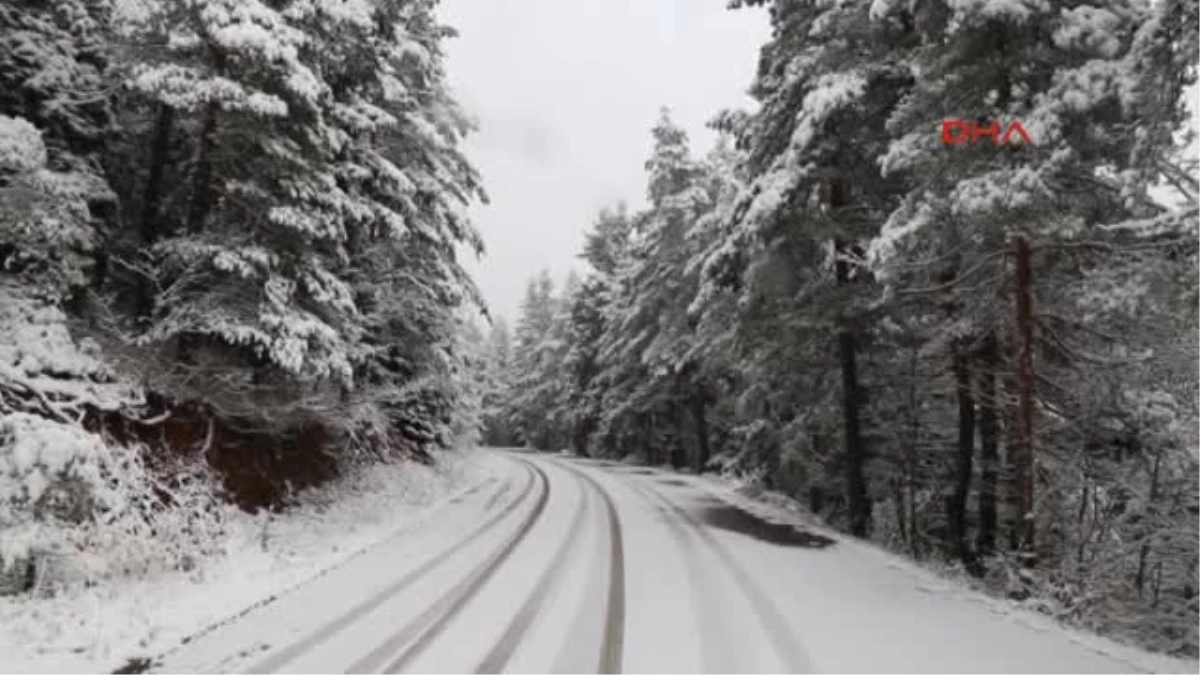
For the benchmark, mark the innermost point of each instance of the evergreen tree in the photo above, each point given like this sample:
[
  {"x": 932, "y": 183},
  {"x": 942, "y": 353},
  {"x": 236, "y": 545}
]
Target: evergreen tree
[
  {"x": 651, "y": 330},
  {"x": 532, "y": 393},
  {"x": 54, "y": 111},
  {"x": 497, "y": 429},
  {"x": 1060, "y": 70},
  {"x": 813, "y": 196},
  {"x": 605, "y": 248}
]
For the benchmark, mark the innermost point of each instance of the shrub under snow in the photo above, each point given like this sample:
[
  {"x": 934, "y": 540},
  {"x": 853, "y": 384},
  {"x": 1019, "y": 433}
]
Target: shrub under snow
[{"x": 73, "y": 508}]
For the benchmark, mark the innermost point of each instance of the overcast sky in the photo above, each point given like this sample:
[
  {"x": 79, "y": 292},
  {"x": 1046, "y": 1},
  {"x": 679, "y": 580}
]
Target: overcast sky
[{"x": 565, "y": 93}]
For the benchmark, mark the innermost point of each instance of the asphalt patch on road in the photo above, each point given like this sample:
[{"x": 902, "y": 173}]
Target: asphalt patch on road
[
  {"x": 674, "y": 481},
  {"x": 728, "y": 517}
]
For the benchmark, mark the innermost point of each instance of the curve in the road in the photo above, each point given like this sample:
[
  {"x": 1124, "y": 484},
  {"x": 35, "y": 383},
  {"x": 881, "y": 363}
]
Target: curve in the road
[
  {"x": 781, "y": 636},
  {"x": 422, "y": 630},
  {"x": 284, "y": 656},
  {"x": 497, "y": 658},
  {"x": 613, "y": 644}
]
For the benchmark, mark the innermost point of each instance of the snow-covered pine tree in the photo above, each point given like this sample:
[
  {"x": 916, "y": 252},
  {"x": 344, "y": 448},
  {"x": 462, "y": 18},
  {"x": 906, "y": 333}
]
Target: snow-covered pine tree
[
  {"x": 497, "y": 428},
  {"x": 605, "y": 248},
  {"x": 56, "y": 109},
  {"x": 1060, "y": 70},
  {"x": 712, "y": 313},
  {"x": 404, "y": 260},
  {"x": 249, "y": 263},
  {"x": 323, "y": 196},
  {"x": 534, "y": 376},
  {"x": 651, "y": 333},
  {"x": 814, "y": 195}
]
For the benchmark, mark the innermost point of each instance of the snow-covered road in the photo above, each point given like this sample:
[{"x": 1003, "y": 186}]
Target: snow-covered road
[{"x": 567, "y": 565}]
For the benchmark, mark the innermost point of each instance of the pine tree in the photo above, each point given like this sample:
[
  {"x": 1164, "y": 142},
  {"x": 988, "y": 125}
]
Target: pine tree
[
  {"x": 55, "y": 108},
  {"x": 604, "y": 250},
  {"x": 1066, "y": 82},
  {"x": 497, "y": 428},
  {"x": 813, "y": 196},
  {"x": 249, "y": 265},
  {"x": 534, "y": 376},
  {"x": 322, "y": 200},
  {"x": 652, "y": 325}
]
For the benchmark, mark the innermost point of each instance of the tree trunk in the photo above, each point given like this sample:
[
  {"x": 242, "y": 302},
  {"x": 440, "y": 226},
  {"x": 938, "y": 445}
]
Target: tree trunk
[
  {"x": 583, "y": 428},
  {"x": 700, "y": 415},
  {"x": 989, "y": 440},
  {"x": 956, "y": 511},
  {"x": 897, "y": 485},
  {"x": 1025, "y": 393},
  {"x": 203, "y": 194},
  {"x": 911, "y": 464},
  {"x": 650, "y": 442},
  {"x": 679, "y": 446},
  {"x": 202, "y": 177},
  {"x": 148, "y": 227},
  {"x": 1140, "y": 579},
  {"x": 856, "y": 485}
]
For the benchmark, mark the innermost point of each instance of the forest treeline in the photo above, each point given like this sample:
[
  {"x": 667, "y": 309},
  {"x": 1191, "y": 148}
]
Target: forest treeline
[
  {"x": 228, "y": 240},
  {"x": 982, "y": 353}
]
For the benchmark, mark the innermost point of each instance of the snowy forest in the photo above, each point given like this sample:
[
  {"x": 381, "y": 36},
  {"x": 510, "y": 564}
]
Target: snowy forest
[
  {"x": 232, "y": 238},
  {"x": 229, "y": 240},
  {"x": 982, "y": 355}
]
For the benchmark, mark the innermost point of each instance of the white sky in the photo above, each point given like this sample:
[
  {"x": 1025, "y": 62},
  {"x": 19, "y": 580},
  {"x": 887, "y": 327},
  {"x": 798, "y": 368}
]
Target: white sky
[{"x": 565, "y": 93}]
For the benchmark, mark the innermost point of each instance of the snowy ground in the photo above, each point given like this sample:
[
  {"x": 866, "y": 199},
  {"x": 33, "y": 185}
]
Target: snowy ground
[
  {"x": 555, "y": 564},
  {"x": 104, "y": 627},
  {"x": 948, "y": 595}
]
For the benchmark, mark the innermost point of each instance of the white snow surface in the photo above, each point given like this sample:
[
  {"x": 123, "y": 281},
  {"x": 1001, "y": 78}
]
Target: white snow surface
[
  {"x": 944, "y": 599},
  {"x": 695, "y": 594},
  {"x": 98, "y": 629},
  {"x": 530, "y": 573}
]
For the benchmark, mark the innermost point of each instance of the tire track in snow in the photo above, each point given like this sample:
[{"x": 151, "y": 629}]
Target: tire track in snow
[
  {"x": 514, "y": 633},
  {"x": 714, "y": 633},
  {"x": 424, "y": 629},
  {"x": 612, "y": 643},
  {"x": 785, "y": 642},
  {"x": 284, "y": 656},
  {"x": 421, "y": 519}
]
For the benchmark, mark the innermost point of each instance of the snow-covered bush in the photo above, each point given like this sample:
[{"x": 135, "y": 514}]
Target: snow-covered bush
[
  {"x": 75, "y": 507},
  {"x": 75, "y": 510}
]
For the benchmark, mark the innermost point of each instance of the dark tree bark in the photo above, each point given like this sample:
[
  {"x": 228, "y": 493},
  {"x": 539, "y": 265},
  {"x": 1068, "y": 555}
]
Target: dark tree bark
[
  {"x": 700, "y": 417},
  {"x": 1025, "y": 394},
  {"x": 648, "y": 440},
  {"x": 203, "y": 194},
  {"x": 1151, "y": 511},
  {"x": 679, "y": 443},
  {"x": 579, "y": 434},
  {"x": 989, "y": 443},
  {"x": 956, "y": 506},
  {"x": 856, "y": 484},
  {"x": 148, "y": 228},
  {"x": 911, "y": 464}
]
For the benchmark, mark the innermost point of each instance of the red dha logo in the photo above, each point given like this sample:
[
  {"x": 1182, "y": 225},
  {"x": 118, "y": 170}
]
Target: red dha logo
[{"x": 961, "y": 131}]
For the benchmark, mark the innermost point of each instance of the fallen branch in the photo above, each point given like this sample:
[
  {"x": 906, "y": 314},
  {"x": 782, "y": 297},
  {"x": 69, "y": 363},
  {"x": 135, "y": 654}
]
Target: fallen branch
[{"x": 37, "y": 393}]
